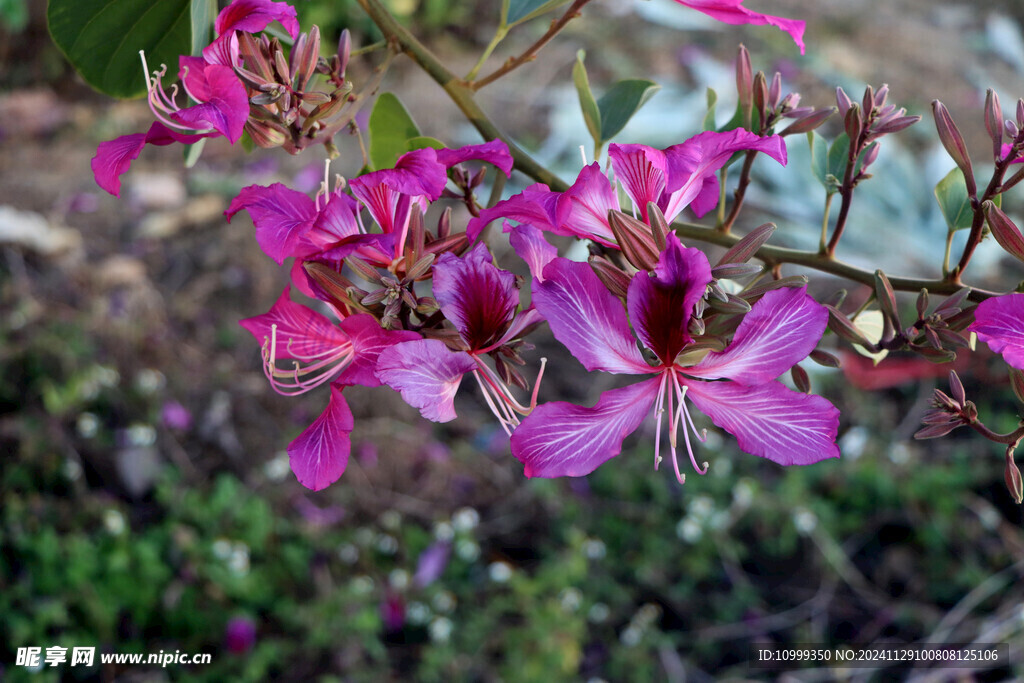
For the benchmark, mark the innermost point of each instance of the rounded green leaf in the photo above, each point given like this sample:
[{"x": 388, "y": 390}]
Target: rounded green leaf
[
  {"x": 390, "y": 129},
  {"x": 102, "y": 39}
]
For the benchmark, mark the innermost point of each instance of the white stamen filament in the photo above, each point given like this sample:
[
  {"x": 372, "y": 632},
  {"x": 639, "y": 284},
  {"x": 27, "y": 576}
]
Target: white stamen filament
[
  {"x": 498, "y": 397},
  {"x": 322, "y": 367},
  {"x": 162, "y": 104},
  {"x": 675, "y": 394}
]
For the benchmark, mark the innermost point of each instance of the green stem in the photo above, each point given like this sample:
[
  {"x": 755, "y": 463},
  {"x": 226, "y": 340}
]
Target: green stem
[
  {"x": 945, "y": 258},
  {"x": 823, "y": 245},
  {"x": 499, "y": 36},
  {"x": 822, "y": 262}
]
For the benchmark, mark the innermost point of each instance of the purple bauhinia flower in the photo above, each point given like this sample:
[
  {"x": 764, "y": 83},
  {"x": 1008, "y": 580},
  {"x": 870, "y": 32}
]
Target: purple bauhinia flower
[
  {"x": 481, "y": 301},
  {"x": 221, "y": 101},
  {"x": 999, "y": 322},
  {"x": 734, "y": 387},
  {"x": 330, "y": 227},
  {"x": 320, "y": 352},
  {"x": 733, "y": 12},
  {"x": 673, "y": 178}
]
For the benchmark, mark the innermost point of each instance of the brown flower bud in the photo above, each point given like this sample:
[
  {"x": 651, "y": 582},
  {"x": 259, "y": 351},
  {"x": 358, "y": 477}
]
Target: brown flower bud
[
  {"x": 634, "y": 239},
  {"x": 809, "y": 122},
  {"x": 742, "y": 251},
  {"x": 744, "y": 84},
  {"x": 1006, "y": 233},
  {"x": 1014, "y": 483},
  {"x": 613, "y": 278}
]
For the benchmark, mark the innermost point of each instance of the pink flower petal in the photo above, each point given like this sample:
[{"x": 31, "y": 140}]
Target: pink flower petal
[
  {"x": 565, "y": 440},
  {"x": 302, "y": 333},
  {"x": 536, "y": 205},
  {"x": 999, "y": 322},
  {"x": 530, "y": 245},
  {"x": 494, "y": 153},
  {"x": 588, "y": 319},
  {"x": 427, "y": 374},
  {"x": 368, "y": 340},
  {"x": 479, "y": 298},
  {"x": 282, "y": 217},
  {"x": 778, "y": 332},
  {"x": 583, "y": 208},
  {"x": 224, "y": 103},
  {"x": 252, "y": 16},
  {"x": 732, "y": 12},
  {"x": 693, "y": 164},
  {"x": 769, "y": 420},
  {"x": 661, "y": 303},
  {"x": 319, "y": 455},
  {"x": 641, "y": 170},
  {"x": 114, "y": 157}
]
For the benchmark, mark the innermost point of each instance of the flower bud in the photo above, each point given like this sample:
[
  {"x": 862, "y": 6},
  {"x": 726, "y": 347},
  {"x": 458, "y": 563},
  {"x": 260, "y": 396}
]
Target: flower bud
[
  {"x": 881, "y": 95},
  {"x": 775, "y": 90},
  {"x": 761, "y": 99},
  {"x": 800, "y": 379},
  {"x": 1011, "y": 474},
  {"x": 956, "y": 387},
  {"x": 825, "y": 359},
  {"x": 344, "y": 49},
  {"x": 1006, "y": 233},
  {"x": 870, "y": 155},
  {"x": 1020, "y": 113},
  {"x": 994, "y": 121},
  {"x": 954, "y": 143},
  {"x": 634, "y": 239},
  {"x": 843, "y": 101},
  {"x": 809, "y": 122},
  {"x": 853, "y": 126},
  {"x": 742, "y": 251},
  {"x": 744, "y": 84},
  {"x": 868, "y": 103},
  {"x": 614, "y": 279},
  {"x": 659, "y": 226}
]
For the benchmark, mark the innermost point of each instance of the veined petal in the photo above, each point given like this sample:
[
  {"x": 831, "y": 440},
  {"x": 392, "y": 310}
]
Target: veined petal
[
  {"x": 588, "y": 319},
  {"x": 661, "y": 303},
  {"x": 778, "y": 332},
  {"x": 114, "y": 157},
  {"x": 733, "y": 12},
  {"x": 368, "y": 340},
  {"x": 479, "y": 298},
  {"x": 427, "y": 374},
  {"x": 224, "y": 103},
  {"x": 999, "y": 322},
  {"x": 252, "y": 16},
  {"x": 585, "y": 205},
  {"x": 536, "y": 205},
  {"x": 282, "y": 217},
  {"x": 565, "y": 440},
  {"x": 690, "y": 164},
  {"x": 530, "y": 245},
  {"x": 770, "y": 420},
  {"x": 335, "y": 221},
  {"x": 319, "y": 455},
  {"x": 641, "y": 170},
  {"x": 494, "y": 153},
  {"x": 302, "y": 333}
]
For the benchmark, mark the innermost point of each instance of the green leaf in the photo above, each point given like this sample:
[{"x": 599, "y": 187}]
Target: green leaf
[
  {"x": 709, "y": 118},
  {"x": 828, "y": 163},
  {"x": 591, "y": 114},
  {"x": 390, "y": 129},
  {"x": 872, "y": 325},
  {"x": 618, "y": 105},
  {"x": 422, "y": 142},
  {"x": 203, "y": 14},
  {"x": 517, "y": 11},
  {"x": 951, "y": 193},
  {"x": 102, "y": 39},
  {"x": 194, "y": 151}
]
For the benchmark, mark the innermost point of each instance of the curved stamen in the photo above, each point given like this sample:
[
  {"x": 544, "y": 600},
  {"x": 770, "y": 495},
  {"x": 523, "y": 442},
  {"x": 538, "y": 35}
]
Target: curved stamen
[
  {"x": 659, "y": 410},
  {"x": 321, "y": 367},
  {"x": 163, "y": 105},
  {"x": 506, "y": 419},
  {"x": 700, "y": 436}
]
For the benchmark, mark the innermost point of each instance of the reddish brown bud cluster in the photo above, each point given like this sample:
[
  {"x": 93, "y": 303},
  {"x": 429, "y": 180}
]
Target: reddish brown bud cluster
[
  {"x": 948, "y": 412},
  {"x": 757, "y": 96},
  {"x": 284, "y": 110}
]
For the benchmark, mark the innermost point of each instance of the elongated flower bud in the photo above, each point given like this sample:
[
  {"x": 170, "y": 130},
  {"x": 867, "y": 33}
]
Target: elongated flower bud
[
  {"x": 994, "y": 121},
  {"x": 1014, "y": 483},
  {"x": 1006, "y": 233},
  {"x": 954, "y": 143}
]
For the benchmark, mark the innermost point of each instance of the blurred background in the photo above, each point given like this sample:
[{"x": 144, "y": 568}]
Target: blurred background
[{"x": 146, "y": 501}]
